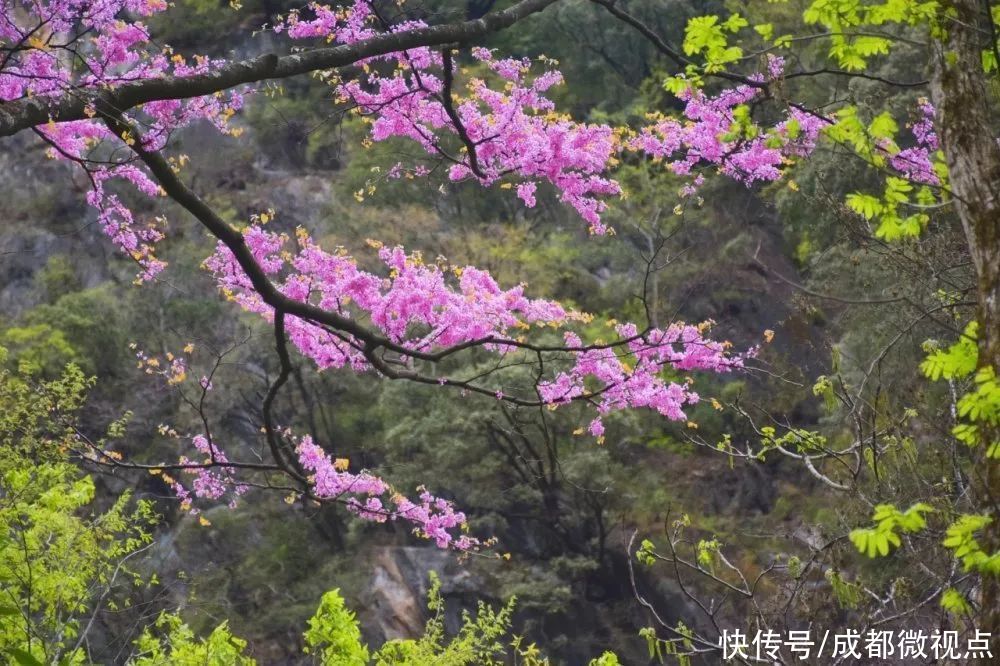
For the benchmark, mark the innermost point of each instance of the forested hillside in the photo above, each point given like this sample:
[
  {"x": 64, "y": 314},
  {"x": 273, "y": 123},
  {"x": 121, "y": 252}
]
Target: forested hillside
[{"x": 270, "y": 391}]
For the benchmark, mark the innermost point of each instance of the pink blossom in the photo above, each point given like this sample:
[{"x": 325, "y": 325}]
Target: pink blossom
[
  {"x": 916, "y": 163},
  {"x": 425, "y": 308},
  {"x": 710, "y": 135},
  {"x": 371, "y": 498}
]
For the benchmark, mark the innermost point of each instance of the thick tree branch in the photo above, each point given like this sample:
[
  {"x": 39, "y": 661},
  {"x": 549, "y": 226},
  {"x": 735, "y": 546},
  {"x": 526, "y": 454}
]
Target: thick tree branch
[
  {"x": 73, "y": 105},
  {"x": 448, "y": 103},
  {"x": 270, "y": 430}
]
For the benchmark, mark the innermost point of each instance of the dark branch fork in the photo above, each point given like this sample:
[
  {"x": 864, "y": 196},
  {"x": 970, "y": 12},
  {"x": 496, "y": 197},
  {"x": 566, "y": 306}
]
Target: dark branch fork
[{"x": 449, "y": 107}]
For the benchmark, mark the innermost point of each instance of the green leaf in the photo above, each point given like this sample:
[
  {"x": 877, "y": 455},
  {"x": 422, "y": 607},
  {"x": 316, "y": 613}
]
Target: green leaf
[
  {"x": 883, "y": 126},
  {"x": 25, "y": 658},
  {"x": 897, "y": 189},
  {"x": 765, "y": 30},
  {"x": 333, "y": 633},
  {"x": 870, "y": 45},
  {"x": 702, "y": 32},
  {"x": 959, "y": 360},
  {"x": 676, "y": 85},
  {"x": 865, "y": 205},
  {"x": 783, "y": 42},
  {"x": 989, "y": 60},
  {"x": 735, "y": 22},
  {"x": 954, "y": 602}
]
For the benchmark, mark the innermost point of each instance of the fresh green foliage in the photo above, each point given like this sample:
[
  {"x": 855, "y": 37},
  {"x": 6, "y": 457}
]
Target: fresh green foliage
[
  {"x": 846, "y": 21},
  {"x": 59, "y": 559},
  {"x": 333, "y": 637},
  {"x": 955, "y": 602},
  {"x": 58, "y": 564},
  {"x": 171, "y": 642},
  {"x": 797, "y": 439},
  {"x": 646, "y": 554},
  {"x": 889, "y": 521},
  {"x": 79, "y": 327},
  {"x": 675, "y": 650},
  {"x": 960, "y": 539},
  {"x": 707, "y": 36},
  {"x": 708, "y": 553},
  {"x": 978, "y": 406},
  {"x": 479, "y": 640},
  {"x": 848, "y": 594},
  {"x": 957, "y": 361}
]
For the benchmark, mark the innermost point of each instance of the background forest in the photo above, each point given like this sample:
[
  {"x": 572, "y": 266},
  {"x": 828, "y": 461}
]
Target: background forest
[{"x": 588, "y": 533}]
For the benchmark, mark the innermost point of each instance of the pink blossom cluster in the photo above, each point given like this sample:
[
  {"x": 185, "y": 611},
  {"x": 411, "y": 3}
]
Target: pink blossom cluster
[
  {"x": 210, "y": 483},
  {"x": 511, "y": 128},
  {"x": 709, "y": 133},
  {"x": 344, "y": 24},
  {"x": 68, "y": 47},
  {"x": 427, "y": 308},
  {"x": 423, "y": 307},
  {"x": 73, "y": 141},
  {"x": 631, "y": 377},
  {"x": 373, "y": 499},
  {"x": 917, "y": 163},
  {"x": 53, "y": 36}
]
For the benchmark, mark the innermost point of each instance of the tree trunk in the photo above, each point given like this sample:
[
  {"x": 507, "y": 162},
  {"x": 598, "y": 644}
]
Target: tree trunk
[{"x": 960, "y": 94}]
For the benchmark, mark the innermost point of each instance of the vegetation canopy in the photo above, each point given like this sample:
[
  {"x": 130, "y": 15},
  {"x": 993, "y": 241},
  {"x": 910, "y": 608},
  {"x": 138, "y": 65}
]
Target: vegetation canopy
[{"x": 666, "y": 319}]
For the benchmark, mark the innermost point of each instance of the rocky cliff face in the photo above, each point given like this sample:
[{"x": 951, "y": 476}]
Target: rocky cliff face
[
  {"x": 395, "y": 598},
  {"x": 43, "y": 216}
]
